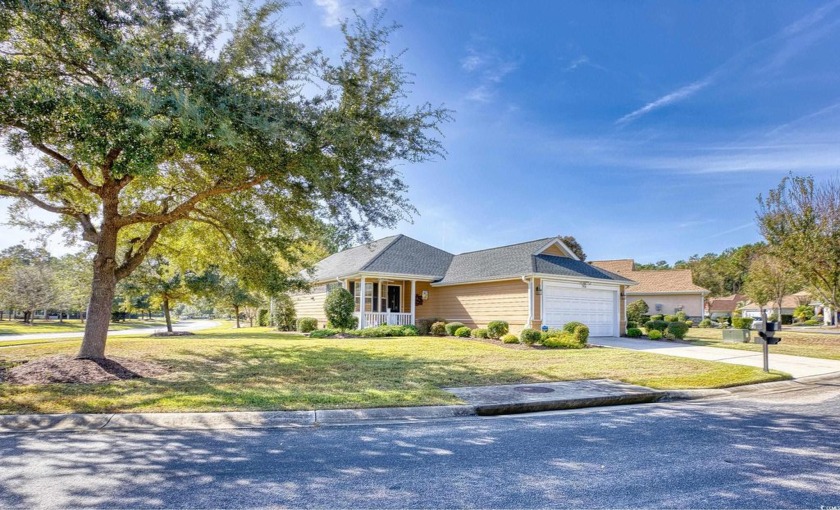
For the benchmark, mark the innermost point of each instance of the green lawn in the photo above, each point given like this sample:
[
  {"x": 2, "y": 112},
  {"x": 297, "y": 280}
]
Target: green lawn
[
  {"x": 257, "y": 369},
  {"x": 796, "y": 343},
  {"x": 8, "y": 327}
]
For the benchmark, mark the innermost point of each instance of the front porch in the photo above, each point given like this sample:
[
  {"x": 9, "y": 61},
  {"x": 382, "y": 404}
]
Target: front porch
[{"x": 383, "y": 301}]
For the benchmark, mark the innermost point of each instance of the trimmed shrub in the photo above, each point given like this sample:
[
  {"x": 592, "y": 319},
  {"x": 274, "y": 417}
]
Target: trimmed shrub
[
  {"x": 637, "y": 310},
  {"x": 682, "y": 316},
  {"x": 644, "y": 319},
  {"x": 452, "y": 327},
  {"x": 670, "y": 318},
  {"x": 654, "y": 334},
  {"x": 307, "y": 324},
  {"x": 632, "y": 324},
  {"x": 529, "y": 336},
  {"x": 690, "y": 324},
  {"x": 562, "y": 341},
  {"x": 581, "y": 334},
  {"x": 570, "y": 327},
  {"x": 463, "y": 332},
  {"x": 284, "y": 313},
  {"x": 480, "y": 333},
  {"x": 262, "y": 318},
  {"x": 323, "y": 333},
  {"x": 438, "y": 328},
  {"x": 509, "y": 339},
  {"x": 384, "y": 331},
  {"x": 677, "y": 330},
  {"x": 803, "y": 313},
  {"x": 705, "y": 323},
  {"x": 339, "y": 307},
  {"x": 424, "y": 326},
  {"x": 657, "y": 317},
  {"x": 497, "y": 329},
  {"x": 656, "y": 325},
  {"x": 812, "y": 322},
  {"x": 742, "y": 322},
  {"x": 634, "y": 332}
]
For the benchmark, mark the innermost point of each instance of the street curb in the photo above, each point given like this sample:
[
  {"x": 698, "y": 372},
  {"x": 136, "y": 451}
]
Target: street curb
[{"x": 561, "y": 404}]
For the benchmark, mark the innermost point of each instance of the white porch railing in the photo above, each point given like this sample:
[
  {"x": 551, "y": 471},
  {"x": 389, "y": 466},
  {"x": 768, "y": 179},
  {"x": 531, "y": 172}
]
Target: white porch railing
[{"x": 373, "y": 319}]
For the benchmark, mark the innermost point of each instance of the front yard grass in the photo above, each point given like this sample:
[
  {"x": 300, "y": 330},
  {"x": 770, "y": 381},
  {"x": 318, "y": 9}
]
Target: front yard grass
[
  {"x": 17, "y": 327},
  {"x": 258, "y": 369},
  {"x": 796, "y": 343}
]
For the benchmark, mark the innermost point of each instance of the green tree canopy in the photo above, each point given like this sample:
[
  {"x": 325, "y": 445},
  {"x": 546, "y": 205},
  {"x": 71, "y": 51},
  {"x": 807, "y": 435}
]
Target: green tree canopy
[{"x": 149, "y": 114}]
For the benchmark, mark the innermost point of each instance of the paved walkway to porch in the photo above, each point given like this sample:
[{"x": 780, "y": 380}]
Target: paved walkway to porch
[{"x": 797, "y": 366}]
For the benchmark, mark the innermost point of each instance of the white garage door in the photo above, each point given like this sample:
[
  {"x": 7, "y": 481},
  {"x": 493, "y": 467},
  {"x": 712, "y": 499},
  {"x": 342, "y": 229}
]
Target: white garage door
[{"x": 594, "y": 307}]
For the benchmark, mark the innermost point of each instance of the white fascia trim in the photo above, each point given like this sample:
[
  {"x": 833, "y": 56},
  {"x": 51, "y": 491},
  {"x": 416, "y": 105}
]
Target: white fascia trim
[
  {"x": 472, "y": 282},
  {"x": 559, "y": 241},
  {"x": 388, "y": 276},
  {"x": 611, "y": 283},
  {"x": 665, "y": 293}
]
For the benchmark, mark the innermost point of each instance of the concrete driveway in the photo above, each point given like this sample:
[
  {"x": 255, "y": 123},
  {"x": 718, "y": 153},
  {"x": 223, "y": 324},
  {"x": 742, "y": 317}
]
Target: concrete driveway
[
  {"x": 797, "y": 366},
  {"x": 191, "y": 325}
]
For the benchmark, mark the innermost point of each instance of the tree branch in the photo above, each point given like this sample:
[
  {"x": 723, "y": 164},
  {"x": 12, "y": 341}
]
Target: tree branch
[
  {"x": 184, "y": 208},
  {"x": 7, "y": 190},
  {"x": 74, "y": 167},
  {"x": 135, "y": 258}
]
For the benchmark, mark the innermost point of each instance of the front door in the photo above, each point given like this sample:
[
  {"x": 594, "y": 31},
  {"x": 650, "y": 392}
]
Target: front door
[{"x": 394, "y": 298}]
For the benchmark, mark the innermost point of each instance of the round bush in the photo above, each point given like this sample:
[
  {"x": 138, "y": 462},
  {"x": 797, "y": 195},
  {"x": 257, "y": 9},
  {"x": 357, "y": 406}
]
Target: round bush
[
  {"x": 497, "y": 329},
  {"x": 480, "y": 333},
  {"x": 632, "y": 324},
  {"x": 657, "y": 317},
  {"x": 654, "y": 334},
  {"x": 529, "y": 336},
  {"x": 452, "y": 327},
  {"x": 742, "y": 322},
  {"x": 438, "y": 329},
  {"x": 670, "y": 318},
  {"x": 705, "y": 323},
  {"x": 660, "y": 326},
  {"x": 570, "y": 327},
  {"x": 634, "y": 332},
  {"x": 581, "y": 334},
  {"x": 510, "y": 339},
  {"x": 682, "y": 316},
  {"x": 678, "y": 330},
  {"x": 463, "y": 332},
  {"x": 339, "y": 307},
  {"x": 307, "y": 324}
]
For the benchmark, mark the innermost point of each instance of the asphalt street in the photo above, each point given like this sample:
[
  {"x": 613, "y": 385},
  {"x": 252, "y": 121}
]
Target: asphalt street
[{"x": 770, "y": 449}]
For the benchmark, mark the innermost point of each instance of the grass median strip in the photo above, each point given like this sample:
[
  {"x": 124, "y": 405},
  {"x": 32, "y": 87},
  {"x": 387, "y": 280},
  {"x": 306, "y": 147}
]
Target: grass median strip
[
  {"x": 258, "y": 369},
  {"x": 795, "y": 343},
  {"x": 8, "y": 327}
]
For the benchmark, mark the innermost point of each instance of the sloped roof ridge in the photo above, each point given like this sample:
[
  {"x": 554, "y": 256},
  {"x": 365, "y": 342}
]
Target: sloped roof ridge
[
  {"x": 506, "y": 246},
  {"x": 383, "y": 250}
]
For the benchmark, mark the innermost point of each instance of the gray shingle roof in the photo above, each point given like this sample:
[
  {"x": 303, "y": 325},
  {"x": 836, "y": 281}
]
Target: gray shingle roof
[
  {"x": 504, "y": 261},
  {"x": 404, "y": 255}
]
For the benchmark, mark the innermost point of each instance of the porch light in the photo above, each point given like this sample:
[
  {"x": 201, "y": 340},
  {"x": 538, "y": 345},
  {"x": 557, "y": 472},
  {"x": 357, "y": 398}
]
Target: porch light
[{"x": 538, "y": 289}]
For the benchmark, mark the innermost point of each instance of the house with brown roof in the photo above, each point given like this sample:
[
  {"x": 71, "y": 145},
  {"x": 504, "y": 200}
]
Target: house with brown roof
[
  {"x": 788, "y": 305},
  {"x": 724, "y": 306},
  {"x": 666, "y": 291},
  {"x": 399, "y": 280}
]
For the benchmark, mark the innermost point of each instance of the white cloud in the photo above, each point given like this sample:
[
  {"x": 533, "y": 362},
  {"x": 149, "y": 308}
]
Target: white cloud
[
  {"x": 778, "y": 49},
  {"x": 336, "y": 11},
  {"x": 490, "y": 68},
  {"x": 582, "y": 61}
]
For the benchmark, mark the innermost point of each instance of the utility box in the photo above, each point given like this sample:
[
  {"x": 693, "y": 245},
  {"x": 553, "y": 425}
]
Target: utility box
[{"x": 736, "y": 336}]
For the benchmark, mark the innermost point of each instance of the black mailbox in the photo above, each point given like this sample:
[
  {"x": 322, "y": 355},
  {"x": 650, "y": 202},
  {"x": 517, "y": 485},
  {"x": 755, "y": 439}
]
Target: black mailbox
[
  {"x": 772, "y": 326},
  {"x": 769, "y": 338}
]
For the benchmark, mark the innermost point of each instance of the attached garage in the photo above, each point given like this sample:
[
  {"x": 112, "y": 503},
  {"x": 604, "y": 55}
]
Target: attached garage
[{"x": 594, "y": 305}]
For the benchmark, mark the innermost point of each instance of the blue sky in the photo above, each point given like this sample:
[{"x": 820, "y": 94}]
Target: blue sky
[{"x": 646, "y": 129}]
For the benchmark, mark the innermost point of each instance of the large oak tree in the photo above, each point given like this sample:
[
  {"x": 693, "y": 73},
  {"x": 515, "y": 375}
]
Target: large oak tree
[{"x": 144, "y": 114}]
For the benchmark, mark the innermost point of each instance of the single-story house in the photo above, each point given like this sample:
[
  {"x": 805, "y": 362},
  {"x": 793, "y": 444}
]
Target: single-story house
[
  {"x": 789, "y": 304},
  {"x": 398, "y": 280},
  {"x": 666, "y": 291},
  {"x": 724, "y": 306}
]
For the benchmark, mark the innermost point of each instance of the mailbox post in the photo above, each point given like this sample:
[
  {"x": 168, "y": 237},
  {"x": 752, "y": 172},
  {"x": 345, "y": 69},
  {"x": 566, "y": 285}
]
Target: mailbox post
[{"x": 767, "y": 332}]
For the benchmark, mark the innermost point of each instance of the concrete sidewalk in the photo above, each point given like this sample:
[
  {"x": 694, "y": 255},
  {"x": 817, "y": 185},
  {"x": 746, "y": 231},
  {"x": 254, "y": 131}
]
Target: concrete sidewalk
[{"x": 797, "y": 366}]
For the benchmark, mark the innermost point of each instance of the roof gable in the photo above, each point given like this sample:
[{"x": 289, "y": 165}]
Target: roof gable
[
  {"x": 556, "y": 247},
  {"x": 659, "y": 281},
  {"x": 410, "y": 256}
]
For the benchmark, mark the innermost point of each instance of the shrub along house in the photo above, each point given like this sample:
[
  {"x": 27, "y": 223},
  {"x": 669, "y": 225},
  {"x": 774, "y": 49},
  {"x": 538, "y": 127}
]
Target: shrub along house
[
  {"x": 399, "y": 280},
  {"x": 666, "y": 291}
]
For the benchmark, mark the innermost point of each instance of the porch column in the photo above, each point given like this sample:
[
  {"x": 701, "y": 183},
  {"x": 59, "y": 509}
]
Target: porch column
[
  {"x": 362, "y": 304},
  {"x": 413, "y": 293}
]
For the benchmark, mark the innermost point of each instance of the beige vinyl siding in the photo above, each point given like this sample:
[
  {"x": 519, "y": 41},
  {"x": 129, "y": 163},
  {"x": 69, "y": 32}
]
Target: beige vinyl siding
[
  {"x": 556, "y": 251},
  {"x": 311, "y": 304},
  {"x": 476, "y": 304}
]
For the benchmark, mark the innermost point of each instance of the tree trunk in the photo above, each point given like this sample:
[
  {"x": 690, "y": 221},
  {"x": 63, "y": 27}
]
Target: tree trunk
[
  {"x": 27, "y": 317},
  {"x": 236, "y": 312},
  {"x": 166, "y": 315},
  {"x": 103, "y": 289}
]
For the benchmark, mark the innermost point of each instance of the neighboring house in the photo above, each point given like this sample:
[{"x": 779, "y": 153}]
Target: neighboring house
[
  {"x": 398, "y": 280},
  {"x": 789, "y": 304},
  {"x": 666, "y": 291},
  {"x": 724, "y": 306}
]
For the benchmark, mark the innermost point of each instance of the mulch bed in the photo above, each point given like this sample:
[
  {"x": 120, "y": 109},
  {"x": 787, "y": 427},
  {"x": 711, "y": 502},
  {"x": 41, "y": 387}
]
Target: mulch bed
[{"x": 65, "y": 369}]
